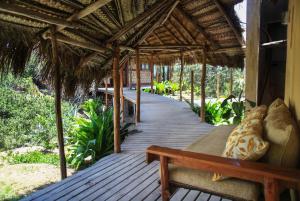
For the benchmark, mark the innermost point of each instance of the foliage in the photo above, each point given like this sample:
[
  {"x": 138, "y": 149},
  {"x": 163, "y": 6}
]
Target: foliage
[
  {"x": 159, "y": 87},
  {"x": 230, "y": 111},
  {"x": 34, "y": 157},
  {"x": 92, "y": 134},
  {"x": 27, "y": 117},
  {"x": 147, "y": 90},
  {"x": 8, "y": 193},
  {"x": 237, "y": 109},
  {"x": 211, "y": 79}
]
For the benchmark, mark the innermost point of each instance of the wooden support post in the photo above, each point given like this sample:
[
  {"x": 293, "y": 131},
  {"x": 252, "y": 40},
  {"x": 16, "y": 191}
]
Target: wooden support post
[
  {"x": 218, "y": 85},
  {"x": 271, "y": 190},
  {"x": 151, "y": 73},
  {"x": 231, "y": 82},
  {"x": 122, "y": 92},
  {"x": 138, "y": 86},
  {"x": 58, "y": 113},
  {"x": 203, "y": 78},
  {"x": 192, "y": 88},
  {"x": 106, "y": 92},
  {"x": 164, "y": 178},
  {"x": 116, "y": 79},
  {"x": 181, "y": 74}
]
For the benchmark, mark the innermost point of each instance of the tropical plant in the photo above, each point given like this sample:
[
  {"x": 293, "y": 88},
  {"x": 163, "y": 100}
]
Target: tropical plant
[
  {"x": 159, "y": 87},
  {"x": 174, "y": 87},
  {"x": 27, "y": 116},
  {"x": 237, "y": 109},
  {"x": 147, "y": 90},
  {"x": 92, "y": 134}
]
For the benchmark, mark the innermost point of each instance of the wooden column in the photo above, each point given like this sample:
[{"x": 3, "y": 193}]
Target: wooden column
[
  {"x": 203, "y": 78},
  {"x": 218, "y": 85},
  {"x": 151, "y": 73},
  {"x": 116, "y": 79},
  {"x": 165, "y": 191},
  {"x": 106, "y": 92},
  {"x": 122, "y": 92},
  {"x": 271, "y": 190},
  {"x": 231, "y": 82},
  {"x": 138, "y": 87},
  {"x": 192, "y": 88},
  {"x": 58, "y": 113},
  {"x": 181, "y": 74}
]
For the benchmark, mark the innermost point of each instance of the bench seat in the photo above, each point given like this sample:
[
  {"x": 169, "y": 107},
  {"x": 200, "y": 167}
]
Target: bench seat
[{"x": 213, "y": 144}]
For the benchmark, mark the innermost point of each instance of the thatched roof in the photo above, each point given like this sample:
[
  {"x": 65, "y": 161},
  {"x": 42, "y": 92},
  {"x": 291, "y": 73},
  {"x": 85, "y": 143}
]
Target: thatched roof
[{"x": 86, "y": 29}]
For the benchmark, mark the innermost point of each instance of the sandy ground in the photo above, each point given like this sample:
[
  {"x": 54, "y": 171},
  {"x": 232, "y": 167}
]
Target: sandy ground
[{"x": 22, "y": 179}]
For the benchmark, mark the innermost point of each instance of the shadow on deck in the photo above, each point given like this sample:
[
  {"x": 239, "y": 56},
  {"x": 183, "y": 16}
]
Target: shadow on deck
[{"x": 126, "y": 176}]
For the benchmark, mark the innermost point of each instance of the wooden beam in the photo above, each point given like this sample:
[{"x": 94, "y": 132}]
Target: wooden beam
[
  {"x": 156, "y": 36},
  {"x": 58, "y": 113},
  {"x": 137, "y": 20},
  {"x": 151, "y": 73},
  {"x": 182, "y": 28},
  {"x": 17, "y": 10},
  {"x": 181, "y": 75},
  {"x": 192, "y": 88},
  {"x": 203, "y": 79},
  {"x": 85, "y": 45},
  {"x": 164, "y": 171},
  {"x": 116, "y": 79},
  {"x": 170, "y": 11},
  {"x": 230, "y": 23},
  {"x": 138, "y": 86},
  {"x": 171, "y": 46}
]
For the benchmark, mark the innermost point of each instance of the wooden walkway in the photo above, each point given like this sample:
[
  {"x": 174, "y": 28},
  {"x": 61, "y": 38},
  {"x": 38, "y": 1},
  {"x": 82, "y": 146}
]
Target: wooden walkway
[{"x": 126, "y": 176}]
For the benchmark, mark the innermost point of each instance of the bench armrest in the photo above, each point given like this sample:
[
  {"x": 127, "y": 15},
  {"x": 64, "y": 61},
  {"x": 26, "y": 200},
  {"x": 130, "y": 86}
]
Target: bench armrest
[{"x": 247, "y": 170}]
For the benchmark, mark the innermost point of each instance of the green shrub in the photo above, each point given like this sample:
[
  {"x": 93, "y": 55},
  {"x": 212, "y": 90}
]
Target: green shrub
[
  {"x": 34, "y": 157},
  {"x": 147, "y": 90},
  {"x": 92, "y": 134},
  {"x": 27, "y": 117}
]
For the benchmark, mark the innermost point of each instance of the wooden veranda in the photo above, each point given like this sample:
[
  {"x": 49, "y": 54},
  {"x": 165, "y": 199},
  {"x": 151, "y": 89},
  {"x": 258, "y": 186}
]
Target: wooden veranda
[{"x": 126, "y": 176}]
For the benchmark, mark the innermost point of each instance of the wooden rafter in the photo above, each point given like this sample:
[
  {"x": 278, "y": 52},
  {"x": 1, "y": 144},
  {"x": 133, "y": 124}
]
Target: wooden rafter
[
  {"x": 86, "y": 45},
  {"x": 230, "y": 23},
  {"x": 170, "y": 11},
  {"x": 17, "y": 10},
  {"x": 183, "y": 29},
  {"x": 137, "y": 20},
  {"x": 82, "y": 13},
  {"x": 156, "y": 36}
]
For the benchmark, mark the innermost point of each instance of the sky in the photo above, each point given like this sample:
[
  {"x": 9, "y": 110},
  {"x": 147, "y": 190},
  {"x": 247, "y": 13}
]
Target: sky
[{"x": 241, "y": 10}]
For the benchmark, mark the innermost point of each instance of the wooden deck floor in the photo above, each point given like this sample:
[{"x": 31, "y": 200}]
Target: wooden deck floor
[{"x": 126, "y": 176}]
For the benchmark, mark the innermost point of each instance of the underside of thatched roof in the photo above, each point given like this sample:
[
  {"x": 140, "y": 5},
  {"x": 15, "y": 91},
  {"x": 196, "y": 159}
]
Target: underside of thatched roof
[{"x": 86, "y": 29}]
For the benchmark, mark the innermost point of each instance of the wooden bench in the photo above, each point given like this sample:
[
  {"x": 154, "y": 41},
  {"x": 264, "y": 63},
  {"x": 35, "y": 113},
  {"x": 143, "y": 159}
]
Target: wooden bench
[{"x": 273, "y": 179}]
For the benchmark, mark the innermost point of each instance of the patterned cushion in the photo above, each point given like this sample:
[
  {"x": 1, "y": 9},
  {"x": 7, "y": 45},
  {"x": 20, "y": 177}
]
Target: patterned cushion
[
  {"x": 258, "y": 112},
  {"x": 245, "y": 141}
]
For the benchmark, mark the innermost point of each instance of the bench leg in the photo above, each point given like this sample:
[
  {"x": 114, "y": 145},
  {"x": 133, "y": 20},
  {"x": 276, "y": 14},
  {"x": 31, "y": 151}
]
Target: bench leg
[
  {"x": 271, "y": 189},
  {"x": 164, "y": 171}
]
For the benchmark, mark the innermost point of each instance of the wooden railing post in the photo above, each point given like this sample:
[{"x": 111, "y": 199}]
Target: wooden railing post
[
  {"x": 271, "y": 189},
  {"x": 106, "y": 92},
  {"x": 164, "y": 171},
  {"x": 122, "y": 92},
  {"x": 203, "y": 78},
  {"x": 192, "y": 88},
  {"x": 116, "y": 79},
  {"x": 151, "y": 73},
  {"x": 138, "y": 87},
  {"x": 58, "y": 113},
  {"x": 181, "y": 74}
]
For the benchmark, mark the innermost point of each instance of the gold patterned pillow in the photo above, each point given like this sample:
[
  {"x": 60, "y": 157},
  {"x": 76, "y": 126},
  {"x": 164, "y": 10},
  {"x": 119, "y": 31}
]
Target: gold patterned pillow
[
  {"x": 258, "y": 112},
  {"x": 245, "y": 143}
]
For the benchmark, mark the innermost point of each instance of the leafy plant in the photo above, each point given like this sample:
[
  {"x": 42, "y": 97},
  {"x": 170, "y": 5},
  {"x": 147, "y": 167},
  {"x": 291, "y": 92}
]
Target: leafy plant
[
  {"x": 237, "y": 109},
  {"x": 34, "y": 157},
  {"x": 92, "y": 134},
  {"x": 147, "y": 90},
  {"x": 27, "y": 117},
  {"x": 159, "y": 87}
]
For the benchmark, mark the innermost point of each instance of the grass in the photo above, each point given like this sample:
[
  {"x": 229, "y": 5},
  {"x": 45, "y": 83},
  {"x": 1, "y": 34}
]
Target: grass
[
  {"x": 35, "y": 157},
  {"x": 7, "y": 192}
]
